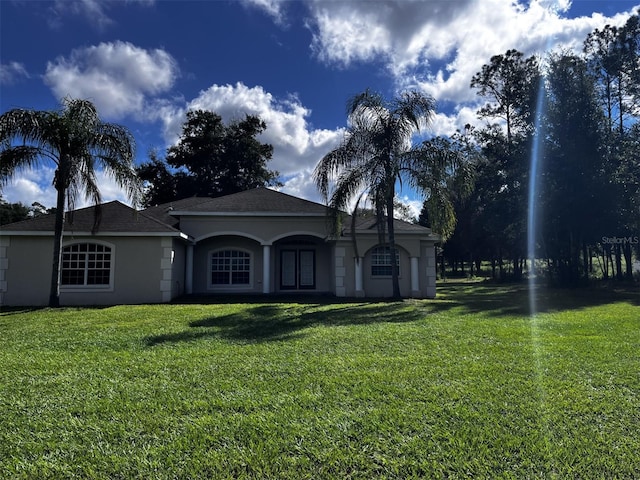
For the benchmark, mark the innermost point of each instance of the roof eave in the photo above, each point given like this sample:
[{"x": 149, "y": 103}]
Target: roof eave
[
  {"x": 45, "y": 233},
  {"x": 244, "y": 214}
]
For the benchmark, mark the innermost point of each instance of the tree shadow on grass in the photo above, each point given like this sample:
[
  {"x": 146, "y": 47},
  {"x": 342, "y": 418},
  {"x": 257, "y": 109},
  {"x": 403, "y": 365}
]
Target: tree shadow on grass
[
  {"x": 6, "y": 311},
  {"x": 514, "y": 299},
  {"x": 279, "y": 322},
  {"x": 269, "y": 319}
]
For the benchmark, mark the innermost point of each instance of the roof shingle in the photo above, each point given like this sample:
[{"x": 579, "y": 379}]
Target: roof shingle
[
  {"x": 258, "y": 200},
  {"x": 115, "y": 217}
]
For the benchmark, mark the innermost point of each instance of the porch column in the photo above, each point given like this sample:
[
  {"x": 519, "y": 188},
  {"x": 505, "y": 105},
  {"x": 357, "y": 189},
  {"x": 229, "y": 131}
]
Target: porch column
[
  {"x": 359, "y": 288},
  {"x": 188, "y": 274},
  {"x": 266, "y": 269},
  {"x": 415, "y": 278}
]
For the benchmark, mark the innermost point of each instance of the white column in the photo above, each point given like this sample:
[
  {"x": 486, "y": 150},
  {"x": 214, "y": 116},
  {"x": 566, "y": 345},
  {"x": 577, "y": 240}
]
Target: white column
[
  {"x": 415, "y": 277},
  {"x": 188, "y": 274},
  {"x": 359, "y": 288},
  {"x": 430, "y": 256},
  {"x": 266, "y": 269},
  {"x": 340, "y": 271}
]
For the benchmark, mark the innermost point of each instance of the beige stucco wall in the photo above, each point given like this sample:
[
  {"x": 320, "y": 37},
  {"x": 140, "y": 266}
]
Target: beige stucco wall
[
  {"x": 252, "y": 233},
  {"x": 408, "y": 246},
  {"x": 381, "y": 286},
  {"x": 28, "y": 272},
  {"x": 152, "y": 269},
  {"x": 323, "y": 262},
  {"x": 178, "y": 265},
  {"x": 202, "y": 269},
  {"x": 264, "y": 230},
  {"x": 428, "y": 270},
  {"x": 203, "y": 249},
  {"x": 140, "y": 271}
]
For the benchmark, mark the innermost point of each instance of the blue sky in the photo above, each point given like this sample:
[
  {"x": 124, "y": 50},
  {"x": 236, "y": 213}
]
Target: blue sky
[{"x": 145, "y": 63}]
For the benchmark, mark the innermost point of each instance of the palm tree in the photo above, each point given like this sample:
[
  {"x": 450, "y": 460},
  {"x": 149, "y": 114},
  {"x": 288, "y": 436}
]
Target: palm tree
[
  {"x": 374, "y": 156},
  {"x": 76, "y": 141}
]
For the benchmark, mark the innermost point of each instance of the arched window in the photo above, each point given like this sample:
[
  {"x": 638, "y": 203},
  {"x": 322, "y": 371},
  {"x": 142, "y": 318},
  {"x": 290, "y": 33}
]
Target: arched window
[
  {"x": 86, "y": 265},
  {"x": 230, "y": 267},
  {"x": 381, "y": 261}
]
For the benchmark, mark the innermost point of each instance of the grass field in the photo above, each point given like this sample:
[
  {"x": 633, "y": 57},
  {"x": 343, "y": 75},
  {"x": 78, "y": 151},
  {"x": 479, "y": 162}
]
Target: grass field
[{"x": 466, "y": 386}]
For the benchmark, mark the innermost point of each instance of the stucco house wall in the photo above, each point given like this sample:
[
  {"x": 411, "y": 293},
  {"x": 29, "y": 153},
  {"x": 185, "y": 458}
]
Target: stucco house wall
[
  {"x": 322, "y": 256},
  {"x": 178, "y": 267},
  {"x": 137, "y": 271},
  {"x": 263, "y": 229},
  {"x": 428, "y": 270},
  {"x": 380, "y": 286},
  {"x": 202, "y": 262},
  {"x": 165, "y": 251},
  {"x": 27, "y": 272}
]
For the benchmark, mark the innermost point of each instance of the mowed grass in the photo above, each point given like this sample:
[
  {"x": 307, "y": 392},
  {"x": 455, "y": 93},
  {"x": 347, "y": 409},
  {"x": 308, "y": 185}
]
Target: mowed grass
[{"x": 469, "y": 385}]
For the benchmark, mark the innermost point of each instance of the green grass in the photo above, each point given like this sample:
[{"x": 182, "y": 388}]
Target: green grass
[{"x": 466, "y": 386}]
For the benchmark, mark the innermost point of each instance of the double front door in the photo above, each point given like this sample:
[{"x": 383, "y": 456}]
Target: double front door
[{"x": 297, "y": 269}]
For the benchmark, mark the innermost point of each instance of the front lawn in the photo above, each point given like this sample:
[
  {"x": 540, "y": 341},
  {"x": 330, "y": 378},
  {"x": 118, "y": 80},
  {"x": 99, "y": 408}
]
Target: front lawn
[{"x": 467, "y": 386}]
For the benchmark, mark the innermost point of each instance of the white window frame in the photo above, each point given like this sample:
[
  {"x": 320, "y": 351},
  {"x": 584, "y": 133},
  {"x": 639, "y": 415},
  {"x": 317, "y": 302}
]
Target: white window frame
[
  {"x": 375, "y": 256},
  {"x": 89, "y": 287},
  {"x": 229, "y": 286}
]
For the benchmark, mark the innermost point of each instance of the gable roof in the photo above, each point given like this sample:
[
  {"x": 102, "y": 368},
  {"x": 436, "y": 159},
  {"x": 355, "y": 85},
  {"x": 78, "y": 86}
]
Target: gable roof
[
  {"x": 163, "y": 212},
  {"x": 369, "y": 226},
  {"x": 116, "y": 217},
  {"x": 401, "y": 226},
  {"x": 258, "y": 201},
  {"x": 164, "y": 219}
]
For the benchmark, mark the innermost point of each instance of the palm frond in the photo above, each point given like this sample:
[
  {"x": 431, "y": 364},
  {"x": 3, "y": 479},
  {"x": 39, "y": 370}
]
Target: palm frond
[{"x": 17, "y": 158}]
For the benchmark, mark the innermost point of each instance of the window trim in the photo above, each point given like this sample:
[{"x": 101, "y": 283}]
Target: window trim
[
  {"x": 229, "y": 286},
  {"x": 88, "y": 287},
  {"x": 387, "y": 249}
]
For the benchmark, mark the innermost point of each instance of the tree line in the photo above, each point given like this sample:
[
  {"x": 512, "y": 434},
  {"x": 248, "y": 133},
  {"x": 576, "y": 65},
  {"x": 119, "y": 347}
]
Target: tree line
[{"x": 577, "y": 115}]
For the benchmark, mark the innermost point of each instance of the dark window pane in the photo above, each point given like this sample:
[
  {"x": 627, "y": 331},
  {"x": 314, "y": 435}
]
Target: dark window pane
[
  {"x": 98, "y": 277},
  {"x": 72, "y": 277},
  {"x": 240, "y": 278},
  {"x": 219, "y": 278}
]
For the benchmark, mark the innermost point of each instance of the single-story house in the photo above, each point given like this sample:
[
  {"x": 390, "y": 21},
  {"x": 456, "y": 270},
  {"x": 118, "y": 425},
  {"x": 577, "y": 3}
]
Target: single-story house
[{"x": 259, "y": 242}]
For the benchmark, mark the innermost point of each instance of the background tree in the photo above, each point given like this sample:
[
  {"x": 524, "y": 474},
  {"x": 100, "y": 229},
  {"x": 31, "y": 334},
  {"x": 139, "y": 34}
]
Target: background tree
[
  {"x": 376, "y": 155},
  {"x": 590, "y": 171},
  {"x": 76, "y": 141},
  {"x": 160, "y": 184},
  {"x": 510, "y": 84},
  {"x": 446, "y": 175},
  {"x": 37, "y": 209},
  {"x": 578, "y": 201},
  {"x": 613, "y": 58},
  {"x": 448, "y": 209},
  {"x": 12, "y": 212},
  {"x": 211, "y": 159}
]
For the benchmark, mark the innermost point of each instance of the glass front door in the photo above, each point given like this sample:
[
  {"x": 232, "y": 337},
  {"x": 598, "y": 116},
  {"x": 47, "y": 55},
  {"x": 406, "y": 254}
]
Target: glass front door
[{"x": 297, "y": 269}]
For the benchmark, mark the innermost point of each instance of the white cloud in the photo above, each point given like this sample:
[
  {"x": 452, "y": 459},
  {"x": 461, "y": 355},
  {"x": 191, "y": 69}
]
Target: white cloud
[
  {"x": 273, "y": 8},
  {"x": 11, "y": 73},
  {"x": 414, "y": 204},
  {"x": 118, "y": 77},
  {"x": 439, "y": 46},
  {"x": 345, "y": 35},
  {"x": 301, "y": 185},
  {"x": 402, "y": 31},
  {"x": 94, "y": 11},
  {"x": 297, "y": 146},
  {"x": 35, "y": 185},
  {"x": 31, "y": 185}
]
